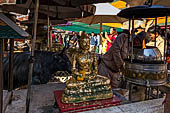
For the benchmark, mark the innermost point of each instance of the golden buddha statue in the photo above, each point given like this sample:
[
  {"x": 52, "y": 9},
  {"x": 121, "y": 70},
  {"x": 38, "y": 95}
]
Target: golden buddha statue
[{"x": 86, "y": 84}]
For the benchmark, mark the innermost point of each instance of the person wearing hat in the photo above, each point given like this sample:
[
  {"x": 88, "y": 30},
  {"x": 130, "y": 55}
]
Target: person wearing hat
[{"x": 139, "y": 29}]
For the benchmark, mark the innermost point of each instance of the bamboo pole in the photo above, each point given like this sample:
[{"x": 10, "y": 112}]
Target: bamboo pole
[
  {"x": 11, "y": 65},
  {"x": 48, "y": 33},
  {"x": 155, "y": 29},
  {"x": 100, "y": 27},
  {"x": 100, "y": 45},
  {"x": 165, "y": 39},
  {"x": 32, "y": 56},
  {"x": 1, "y": 76},
  {"x": 10, "y": 77},
  {"x": 50, "y": 36},
  {"x": 132, "y": 34}
]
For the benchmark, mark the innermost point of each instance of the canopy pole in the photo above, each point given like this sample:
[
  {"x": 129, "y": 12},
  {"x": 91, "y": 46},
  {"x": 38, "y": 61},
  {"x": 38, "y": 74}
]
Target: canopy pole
[
  {"x": 50, "y": 36},
  {"x": 132, "y": 36},
  {"x": 100, "y": 27},
  {"x": 165, "y": 39},
  {"x": 100, "y": 45},
  {"x": 1, "y": 76},
  {"x": 32, "y": 57},
  {"x": 48, "y": 41},
  {"x": 11, "y": 65},
  {"x": 129, "y": 36},
  {"x": 155, "y": 29},
  {"x": 48, "y": 32}
]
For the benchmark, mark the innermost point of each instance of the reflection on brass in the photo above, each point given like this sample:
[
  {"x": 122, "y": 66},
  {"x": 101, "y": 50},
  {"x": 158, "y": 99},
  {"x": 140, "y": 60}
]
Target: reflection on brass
[
  {"x": 134, "y": 75},
  {"x": 145, "y": 76},
  {"x": 147, "y": 54},
  {"x": 151, "y": 76},
  {"x": 139, "y": 75},
  {"x": 86, "y": 84}
]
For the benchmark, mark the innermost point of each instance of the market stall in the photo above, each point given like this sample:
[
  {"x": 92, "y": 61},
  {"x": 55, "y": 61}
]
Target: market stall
[{"x": 146, "y": 66}]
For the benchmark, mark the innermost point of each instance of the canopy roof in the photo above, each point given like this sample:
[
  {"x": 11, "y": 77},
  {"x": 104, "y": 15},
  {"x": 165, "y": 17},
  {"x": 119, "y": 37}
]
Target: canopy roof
[
  {"x": 22, "y": 6},
  {"x": 69, "y": 3},
  {"x": 8, "y": 29},
  {"x": 105, "y": 13},
  {"x": 78, "y": 26},
  {"x": 106, "y": 9},
  {"x": 145, "y": 11},
  {"x": 142, "y": 2},
  {"x": 55, "y": 9}
]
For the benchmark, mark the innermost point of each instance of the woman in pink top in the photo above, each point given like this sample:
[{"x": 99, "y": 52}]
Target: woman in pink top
[{"x": 111, "y": 38}]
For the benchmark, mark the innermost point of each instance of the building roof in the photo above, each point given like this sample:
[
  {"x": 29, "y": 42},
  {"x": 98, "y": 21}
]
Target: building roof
[{"x": 8, "y": 29}]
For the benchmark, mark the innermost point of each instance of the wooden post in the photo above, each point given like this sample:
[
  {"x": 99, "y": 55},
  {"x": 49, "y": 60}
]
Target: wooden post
[
  {"x": 133, "y": 33},
  {"x": 32, "y": 56},
  {"x": 165, "y": 39},
  {"x": 100, "y": 27},
  {"x": 11, "y": 65},
  {"x": 48, "y": 30},
  {"x": 155, "y": 29},
  {"x": 3, "y": 47},
  {"x": 1, "y": 76},
  {"x": 129, "y": 40},
  {"x": 100, "y": 45},
  {"x": 48, "y": 41},
  {"x": 51, "y": 41}
]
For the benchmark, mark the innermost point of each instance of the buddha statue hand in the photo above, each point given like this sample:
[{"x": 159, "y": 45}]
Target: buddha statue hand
[
  {"x": 78, "y": 75},
  {"x": 81, "y": 76}
]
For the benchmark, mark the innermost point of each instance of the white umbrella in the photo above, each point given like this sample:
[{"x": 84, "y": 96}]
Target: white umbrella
[
  {"x": 142, "y": 2},
  {"x": 105, "y": 13}
]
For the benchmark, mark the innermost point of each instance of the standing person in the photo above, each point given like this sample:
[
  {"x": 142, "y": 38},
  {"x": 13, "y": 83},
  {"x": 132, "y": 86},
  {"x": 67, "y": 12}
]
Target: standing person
[
  {"x": 98, "y": 43},
  {"x": 104, "y": 44},
  {"x": 78, "y": 37},
  {"x": 53, "y": 36},
  {"x": 80, "y": 33},
  {"x": 73, "y": 40},
  {"x": 66, "y": 39},
  {"x": 111, "y": 38},
  {"x": 60, "y": 39},
  {"x": 159, "y": 39},
  {"x": 93, "y": 42}
]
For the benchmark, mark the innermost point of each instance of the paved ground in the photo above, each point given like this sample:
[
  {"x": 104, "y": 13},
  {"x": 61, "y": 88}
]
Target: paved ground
[
  {"x": 18, "y": 102},
  {"x": 151, "y": 106},
  {"x": 42, "y": 101}
]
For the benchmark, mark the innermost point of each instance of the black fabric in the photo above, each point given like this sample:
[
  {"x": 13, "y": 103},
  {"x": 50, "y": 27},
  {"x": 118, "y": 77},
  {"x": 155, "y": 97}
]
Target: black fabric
[
  {"x": 45, "y": 65},
  {"x": 113, "y": 60}
]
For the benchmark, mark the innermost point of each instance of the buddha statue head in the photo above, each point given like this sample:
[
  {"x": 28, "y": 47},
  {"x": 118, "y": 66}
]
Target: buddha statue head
[{"x": 84, "y": 42}]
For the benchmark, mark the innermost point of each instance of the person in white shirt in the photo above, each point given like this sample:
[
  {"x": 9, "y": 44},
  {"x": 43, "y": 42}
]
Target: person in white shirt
[
  {"x": 159, "y": 39},
  {"x": 93, "y": 42}
]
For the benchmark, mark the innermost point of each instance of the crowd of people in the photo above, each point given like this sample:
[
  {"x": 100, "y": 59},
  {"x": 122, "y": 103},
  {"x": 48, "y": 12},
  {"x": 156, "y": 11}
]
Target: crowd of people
[{"x": 99, "y": 43}]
